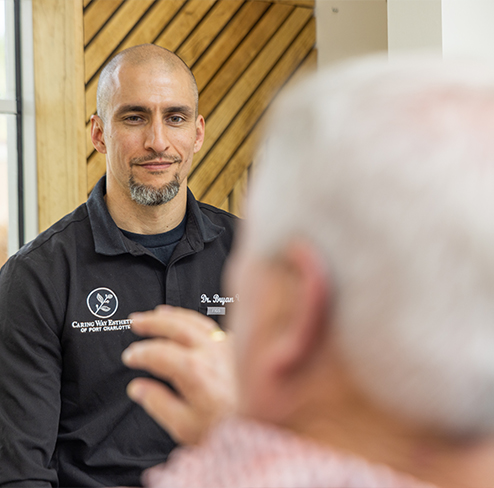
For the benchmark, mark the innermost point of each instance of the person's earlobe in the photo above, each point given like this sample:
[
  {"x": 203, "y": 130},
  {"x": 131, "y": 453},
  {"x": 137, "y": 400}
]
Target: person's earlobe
[{"x": 97, "y": 134}]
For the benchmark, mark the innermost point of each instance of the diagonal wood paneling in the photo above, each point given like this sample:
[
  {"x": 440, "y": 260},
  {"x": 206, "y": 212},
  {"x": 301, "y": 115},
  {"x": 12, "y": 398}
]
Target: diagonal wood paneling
[
  {"x": 114, "y": 32},
  {"x": 297, "y": 3},
  {"x": 243, "y": 56},
  {"x": 242, "y": 53},
  {"x": 226, "y": 43},
  {"x": 97, "y": 16},
  {"x": 205, "y": 171},
  {"x": 211, "y": 25},
  {"x": 227, "y": 109},
  {"x": 239, "y": 165}
]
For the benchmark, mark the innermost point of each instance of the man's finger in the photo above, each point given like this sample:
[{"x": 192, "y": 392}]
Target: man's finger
[
  {"x": 172, "y": 362},
  {"x": 186, "y": 327},
  {"x": 160, "y": 357}
]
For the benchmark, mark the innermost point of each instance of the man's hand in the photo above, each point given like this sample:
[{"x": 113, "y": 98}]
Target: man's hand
[{"x": 190, "y": 351}]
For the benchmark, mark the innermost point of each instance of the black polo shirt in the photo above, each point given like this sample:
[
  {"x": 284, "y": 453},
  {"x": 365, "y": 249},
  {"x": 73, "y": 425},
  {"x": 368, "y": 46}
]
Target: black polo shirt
[{"x": 64, "y": 301}]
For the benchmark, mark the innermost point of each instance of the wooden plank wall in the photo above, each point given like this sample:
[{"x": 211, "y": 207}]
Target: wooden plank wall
[
  {"x": 242, "y": 52},
  {"x": 59, "y": 94}
]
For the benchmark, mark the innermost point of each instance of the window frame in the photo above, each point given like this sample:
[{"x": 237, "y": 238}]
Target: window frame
[{"x": 21, "y": 142}]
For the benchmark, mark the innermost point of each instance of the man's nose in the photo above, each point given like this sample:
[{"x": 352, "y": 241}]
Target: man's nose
[{"x": 156, "y": 136}]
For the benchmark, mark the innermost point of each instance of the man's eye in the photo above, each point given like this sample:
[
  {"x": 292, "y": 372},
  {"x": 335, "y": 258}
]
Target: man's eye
[
  {"x": 133, "y": 118},
  {"x": 176, "y": 119}
]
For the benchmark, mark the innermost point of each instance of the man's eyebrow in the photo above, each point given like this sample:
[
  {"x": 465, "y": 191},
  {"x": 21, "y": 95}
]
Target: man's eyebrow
[
  {"x": 181, "y": 109},
  {"x": 131, "y": 108}
]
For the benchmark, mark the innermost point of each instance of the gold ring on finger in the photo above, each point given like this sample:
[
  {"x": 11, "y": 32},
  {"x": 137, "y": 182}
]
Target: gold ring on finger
[{"x": 218, "y": 335}]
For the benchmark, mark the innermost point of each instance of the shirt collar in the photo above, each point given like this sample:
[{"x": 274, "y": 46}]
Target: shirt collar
[
  {"x": 108, "y": 239},
  {"x": 200, "y": 229}
]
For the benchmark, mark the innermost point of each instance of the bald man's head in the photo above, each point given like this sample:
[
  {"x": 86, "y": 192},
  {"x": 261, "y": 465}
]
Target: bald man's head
[{"x": 155, "y": 57}]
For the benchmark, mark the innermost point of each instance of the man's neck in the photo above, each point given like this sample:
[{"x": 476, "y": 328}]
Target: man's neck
[
  {"x": 143, "y": 219},
  {"x": 445, "y": 462}
]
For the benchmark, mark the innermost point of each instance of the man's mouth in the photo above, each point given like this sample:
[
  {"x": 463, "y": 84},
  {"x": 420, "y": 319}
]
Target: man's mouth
[
  {"x": 156, "y": 165},
  {"x": 156, "y": 162}
]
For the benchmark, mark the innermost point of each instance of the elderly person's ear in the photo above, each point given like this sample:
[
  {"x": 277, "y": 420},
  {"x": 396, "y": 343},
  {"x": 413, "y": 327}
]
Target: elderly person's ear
[{"x": 302, "y": 292}]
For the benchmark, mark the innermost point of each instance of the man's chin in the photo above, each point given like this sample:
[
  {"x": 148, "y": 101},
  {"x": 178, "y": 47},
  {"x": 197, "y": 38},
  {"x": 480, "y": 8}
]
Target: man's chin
[{"x": 153, "y": 195}]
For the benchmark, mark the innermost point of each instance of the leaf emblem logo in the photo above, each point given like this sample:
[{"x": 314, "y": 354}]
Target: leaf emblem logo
[{"x": 102, "y": 302}]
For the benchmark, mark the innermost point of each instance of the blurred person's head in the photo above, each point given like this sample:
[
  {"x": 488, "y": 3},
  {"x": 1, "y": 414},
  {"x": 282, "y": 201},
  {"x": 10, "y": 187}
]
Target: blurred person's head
[{"x": 366, "y": 264}]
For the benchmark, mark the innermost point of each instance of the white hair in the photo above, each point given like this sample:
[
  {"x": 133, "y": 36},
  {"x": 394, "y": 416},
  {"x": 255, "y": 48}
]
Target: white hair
[{"x": 388, "y": 169}]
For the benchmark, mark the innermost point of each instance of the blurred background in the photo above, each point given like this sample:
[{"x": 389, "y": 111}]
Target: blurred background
[{"x": 242, "y": 52}]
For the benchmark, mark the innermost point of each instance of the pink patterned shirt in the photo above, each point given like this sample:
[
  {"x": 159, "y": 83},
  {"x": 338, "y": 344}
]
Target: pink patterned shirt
[{"x": 244, "y": 453}]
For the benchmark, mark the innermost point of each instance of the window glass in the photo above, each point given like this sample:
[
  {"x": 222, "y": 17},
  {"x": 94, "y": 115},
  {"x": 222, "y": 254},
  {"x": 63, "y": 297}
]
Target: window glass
[
  {"x": 3, "y": 76},
  {"x": 8, "y": 152},
  {"x": 4, "y": 195},
  {"x": 4, "y": 192}
]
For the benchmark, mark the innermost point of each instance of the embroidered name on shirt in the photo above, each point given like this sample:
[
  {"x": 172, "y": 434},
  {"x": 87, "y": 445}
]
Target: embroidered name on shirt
[
  {"x": 217, "y": 299},
  {"x": 102, "y": 325}
]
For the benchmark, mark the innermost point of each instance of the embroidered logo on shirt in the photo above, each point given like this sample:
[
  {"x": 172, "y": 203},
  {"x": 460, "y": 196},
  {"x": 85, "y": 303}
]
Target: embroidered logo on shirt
[{"x": 102, "y": 302}]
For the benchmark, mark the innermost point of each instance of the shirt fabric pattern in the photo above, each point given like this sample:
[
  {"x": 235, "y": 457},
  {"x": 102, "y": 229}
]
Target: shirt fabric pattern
[{"x": 241, "y": 453}]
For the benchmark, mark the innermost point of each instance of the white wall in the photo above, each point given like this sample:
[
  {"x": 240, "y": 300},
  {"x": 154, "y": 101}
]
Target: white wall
[
  {"x": 347, "y": 28},
  {"x": 414, "y": 25},
  {"x": 468, "y": 28},
  {"x": 450, "y": 28}
]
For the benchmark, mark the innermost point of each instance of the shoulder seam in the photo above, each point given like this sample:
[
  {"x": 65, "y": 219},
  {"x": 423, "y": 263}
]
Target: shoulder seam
[{"x": 53, "y": 234}]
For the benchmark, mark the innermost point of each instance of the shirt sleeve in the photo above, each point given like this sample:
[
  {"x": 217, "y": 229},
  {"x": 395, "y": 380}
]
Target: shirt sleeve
[{"x": 30, "y": 374}]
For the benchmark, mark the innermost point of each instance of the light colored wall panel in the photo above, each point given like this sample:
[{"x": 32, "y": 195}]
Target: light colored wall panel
[
  {"x": 468, "y": 28},
  {"x": 59, "y": 97},
  {"x": 347, "y": 28},
  {"x": 414, "y": 25}
]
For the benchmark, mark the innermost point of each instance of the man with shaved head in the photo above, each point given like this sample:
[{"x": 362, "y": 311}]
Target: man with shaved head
[{"x": 140, "y": 240}]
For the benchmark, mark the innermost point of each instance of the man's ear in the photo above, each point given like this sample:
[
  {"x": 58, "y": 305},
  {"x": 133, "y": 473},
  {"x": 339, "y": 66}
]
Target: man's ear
[
  {"x": 200, "y": 132},
  {"x": 303, "y": 315},
  {"x": 97, "y": 134}
]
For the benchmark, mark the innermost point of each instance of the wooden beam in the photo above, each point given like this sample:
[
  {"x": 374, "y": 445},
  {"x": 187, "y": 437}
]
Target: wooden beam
[{"x": 59, "y": 97}]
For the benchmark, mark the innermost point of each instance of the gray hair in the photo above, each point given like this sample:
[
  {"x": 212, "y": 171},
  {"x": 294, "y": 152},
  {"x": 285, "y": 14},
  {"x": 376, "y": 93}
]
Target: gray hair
[{"x": 388, "y": 169}]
